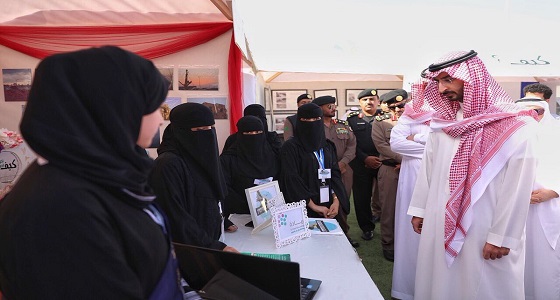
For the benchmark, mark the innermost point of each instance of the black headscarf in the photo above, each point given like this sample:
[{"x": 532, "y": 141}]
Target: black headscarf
[
  {"x": 256, "y": 157},
  {"x": 84, "y": 114},
  {"x": 199, "y": 148},
  {"x": 311, "y": 135},
  {"x": 258, "y": 111}
]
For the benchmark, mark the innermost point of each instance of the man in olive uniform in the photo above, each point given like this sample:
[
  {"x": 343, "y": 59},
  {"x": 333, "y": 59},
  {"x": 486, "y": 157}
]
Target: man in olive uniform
[
  {"x": 387, "y": 178},
  {"x": 366, "y": 163},
  {"x": 338, "y": 132},
  {"x": 290, "y": 122}
]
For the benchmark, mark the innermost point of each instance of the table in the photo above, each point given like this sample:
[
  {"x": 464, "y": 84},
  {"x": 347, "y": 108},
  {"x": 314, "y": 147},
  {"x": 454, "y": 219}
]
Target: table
[{"x": 329, "y": 258}]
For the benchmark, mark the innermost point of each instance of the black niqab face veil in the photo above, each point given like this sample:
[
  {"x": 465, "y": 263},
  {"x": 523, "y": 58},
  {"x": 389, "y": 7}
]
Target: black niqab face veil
[
  {"x": 256, "y": 159},
  {"x": 85, "y": 110},
  {"x": 200, "y": 148},
  {"x": 311, "y": 135}
]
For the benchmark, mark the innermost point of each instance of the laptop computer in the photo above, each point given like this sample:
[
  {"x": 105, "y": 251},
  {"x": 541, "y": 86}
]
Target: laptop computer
[{"x": 278, "y": 278}]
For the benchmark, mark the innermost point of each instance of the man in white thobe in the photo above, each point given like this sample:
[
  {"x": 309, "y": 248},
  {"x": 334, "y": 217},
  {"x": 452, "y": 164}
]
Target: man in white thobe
[
  {"x": 408, "y": 138},
  {"x": 470, "y": 198},
  {"x": 542, "y": 258}
]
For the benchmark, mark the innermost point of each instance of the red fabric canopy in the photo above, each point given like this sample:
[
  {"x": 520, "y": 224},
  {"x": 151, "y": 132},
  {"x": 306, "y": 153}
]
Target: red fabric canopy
[{"x": 149, "y": 41}]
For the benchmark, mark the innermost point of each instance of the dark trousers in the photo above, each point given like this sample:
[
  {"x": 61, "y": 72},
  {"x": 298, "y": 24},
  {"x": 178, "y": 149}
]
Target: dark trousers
[
  {"x": 362, "y": 190},
  {"x": 388, "y": 180}
]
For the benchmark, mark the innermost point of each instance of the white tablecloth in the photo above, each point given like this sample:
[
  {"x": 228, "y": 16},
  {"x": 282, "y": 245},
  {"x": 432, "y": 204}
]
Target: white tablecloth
[{"x": 329, "y": 258}]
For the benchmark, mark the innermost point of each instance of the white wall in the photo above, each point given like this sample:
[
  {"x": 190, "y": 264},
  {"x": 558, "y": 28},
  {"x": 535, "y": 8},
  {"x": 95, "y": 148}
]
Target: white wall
[{"x": 211, "y": 54}]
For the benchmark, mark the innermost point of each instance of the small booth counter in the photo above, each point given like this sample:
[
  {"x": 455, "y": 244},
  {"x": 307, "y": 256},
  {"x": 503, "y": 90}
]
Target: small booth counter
[{"x": 326, "y": 257}]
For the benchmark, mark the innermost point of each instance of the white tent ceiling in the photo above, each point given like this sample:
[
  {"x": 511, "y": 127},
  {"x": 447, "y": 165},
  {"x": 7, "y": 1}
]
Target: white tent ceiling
[
  {"x": 68, "y": 9},
  {"x": 374, "y": 38},
  {"x": 513, "y": 37}
]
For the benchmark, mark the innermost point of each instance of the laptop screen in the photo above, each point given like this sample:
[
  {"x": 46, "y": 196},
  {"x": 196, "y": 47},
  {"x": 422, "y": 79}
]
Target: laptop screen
[{"x": 278, "y": 278}]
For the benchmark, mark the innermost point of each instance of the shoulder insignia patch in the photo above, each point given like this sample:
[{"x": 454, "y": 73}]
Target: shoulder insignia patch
[
  {"x": 354, "y": 113},
  {"x": 338, "y": 121},
  {"x": 382, "y": 117}
]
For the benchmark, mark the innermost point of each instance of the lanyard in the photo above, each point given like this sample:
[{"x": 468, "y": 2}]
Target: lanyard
[{"x": 320, "y": 158}]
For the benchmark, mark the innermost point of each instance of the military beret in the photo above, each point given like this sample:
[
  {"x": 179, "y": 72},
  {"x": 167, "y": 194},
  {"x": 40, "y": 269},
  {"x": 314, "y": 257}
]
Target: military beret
[
  {"x": 367, "y": 93},
  {"x": 324, "y": 100},
  {"x": 394, "y": 96},
  {"x": 303, "y": 96}
]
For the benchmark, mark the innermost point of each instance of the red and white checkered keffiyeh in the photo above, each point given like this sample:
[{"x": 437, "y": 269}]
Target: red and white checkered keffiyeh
[
  {"x": 490, "y": 119},
  {"x": 418, "y": 111}
]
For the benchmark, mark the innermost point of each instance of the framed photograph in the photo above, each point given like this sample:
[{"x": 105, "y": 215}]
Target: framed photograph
[
  {"x": 290, "y": 223},
  {"x": 285, "y": 99},
  {"x": 198, "y": 79},
  {"x": 155, "y": 140},
  {"x": 216, "y": 104},
  {"x": 331, "y": 92},
  {"x": 258, "y": 198},
  {"x": 277, "y": 120},
  {"x": 278, "y": 124},
  {"x": 168, "y": 105},
  {"x": 17, "y": 84},
  {"x": 352, "y": 97},
  {"x": 383, "y": 91},
  {"x": 167, "y": 72}
]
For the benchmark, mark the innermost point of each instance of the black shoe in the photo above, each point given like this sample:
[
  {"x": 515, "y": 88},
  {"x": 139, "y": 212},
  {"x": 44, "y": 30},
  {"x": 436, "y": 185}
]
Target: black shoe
[
  {"x": 389, "y": 255},
  {"x": 353, "y": 243},
  {"x": 375, "y": 219},
  {"x": 367, "y": 235}
]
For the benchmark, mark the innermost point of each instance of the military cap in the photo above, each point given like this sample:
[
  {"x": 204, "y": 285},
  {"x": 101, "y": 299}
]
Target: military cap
[
  {"x": 324, "y": 100},
  {"x": 367, "y": 93},
  {"x": 394, "y": 96},
  {"x": 303, "y": 96}
]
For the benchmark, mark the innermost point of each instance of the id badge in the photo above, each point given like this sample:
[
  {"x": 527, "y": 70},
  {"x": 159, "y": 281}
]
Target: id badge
[
  {"x": 324, "y": 174},
  {"x": 324, "y": 192}
]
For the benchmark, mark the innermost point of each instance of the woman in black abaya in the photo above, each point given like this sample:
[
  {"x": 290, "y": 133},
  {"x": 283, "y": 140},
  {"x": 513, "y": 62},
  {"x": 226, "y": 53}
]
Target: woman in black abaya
[
  {"x": 249, "y": 162},
  {"x": 80, "y": 223}
]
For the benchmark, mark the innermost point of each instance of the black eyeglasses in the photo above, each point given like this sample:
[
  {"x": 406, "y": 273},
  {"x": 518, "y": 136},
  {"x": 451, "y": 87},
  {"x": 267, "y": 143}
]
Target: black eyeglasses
[{"x": 400, "y": 105}]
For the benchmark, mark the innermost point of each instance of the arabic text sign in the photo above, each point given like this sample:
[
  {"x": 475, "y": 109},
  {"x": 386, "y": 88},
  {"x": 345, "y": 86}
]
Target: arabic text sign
[{"x": 9, "y": 166}]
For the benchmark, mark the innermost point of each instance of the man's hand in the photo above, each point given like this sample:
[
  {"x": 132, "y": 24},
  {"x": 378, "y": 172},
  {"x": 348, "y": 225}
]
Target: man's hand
[
  {"x": 372, "y": 162},
  {"x": 342, "y": 167},
  {"x": 542, "y": 195},
  {"x": 410, "y": 137},
  {"x": 492, "y": 252},
  {"x": 417, "y": 224}
]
